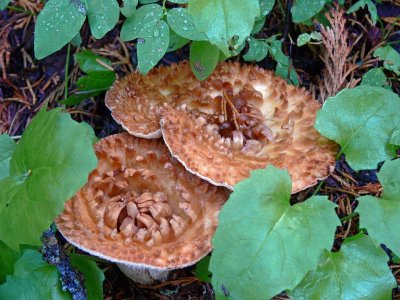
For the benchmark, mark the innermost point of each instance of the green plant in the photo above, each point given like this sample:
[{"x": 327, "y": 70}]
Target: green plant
[
  {"x": 270, "y": 245},
  {"x": 48, "y": 165},
  {"x": 289, "y": 245},
  {"x": 365, "y": 121},
  {"x": 216, "y": 28},
  {"x": 99, "y": 77}
]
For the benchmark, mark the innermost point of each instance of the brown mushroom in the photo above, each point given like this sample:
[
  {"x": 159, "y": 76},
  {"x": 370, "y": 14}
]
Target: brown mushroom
[
  {"x": 261, "y": 120},
  {"x": 135, "y": 100},
  {"x": 142, "y": 209},
  {"x": 241, "y": 118}
]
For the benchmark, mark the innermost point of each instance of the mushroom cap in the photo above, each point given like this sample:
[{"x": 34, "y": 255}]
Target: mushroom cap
[
  {"x": 259, "y": 120},
  {"x": 135, "y": 100},
  {"x": 141, "y": 208}
]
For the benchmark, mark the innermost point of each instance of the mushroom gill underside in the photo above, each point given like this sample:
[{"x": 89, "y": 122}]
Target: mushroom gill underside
[{"x": 140, "y": 207}]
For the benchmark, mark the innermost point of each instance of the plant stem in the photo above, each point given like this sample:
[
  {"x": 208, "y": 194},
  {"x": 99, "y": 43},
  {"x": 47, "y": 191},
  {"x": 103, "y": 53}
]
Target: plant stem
[
  {"x": 66, "y": 75},
  {"x": 348, "y": 217},
  {"x": 318, "y": 187},
  {"x": 16, "y": 8}
]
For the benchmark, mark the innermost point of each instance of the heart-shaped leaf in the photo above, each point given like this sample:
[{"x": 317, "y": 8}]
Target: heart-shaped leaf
[
  {"x": 381, "y": 216},
  {"x": 50, "y": 163},
  {"x": 358, "y": 271},
  {"x": 263, "y": 245},
  {"x": 362, "y": 120}
]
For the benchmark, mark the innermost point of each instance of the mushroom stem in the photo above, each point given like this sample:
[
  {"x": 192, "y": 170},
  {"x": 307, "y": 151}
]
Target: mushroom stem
[{"x": 144, "y": 275}]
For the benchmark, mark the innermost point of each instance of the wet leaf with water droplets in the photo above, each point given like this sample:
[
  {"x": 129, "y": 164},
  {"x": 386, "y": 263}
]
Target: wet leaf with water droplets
[
  {"x": 179, "y": 1},
  {"x": 102, "y": 16},
  {"x": 155, "y": 41},
  {"x": 266, "y": 6},
  {"x": 182, "y": 23},
  {"x": 144, "y": 15},
  {"x": 374, "y": 77},
  {"x": 129, "y": 8},
  {"x": 56, "y": 25},
  {"x": 303, "y": 10},
  {"x": 222, "y": 20},
  {"x": 258, "y": 50}
]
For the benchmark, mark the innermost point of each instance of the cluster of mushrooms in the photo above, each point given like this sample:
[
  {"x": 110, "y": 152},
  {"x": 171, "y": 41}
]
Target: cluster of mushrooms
[{"x": 152, "y": 204}]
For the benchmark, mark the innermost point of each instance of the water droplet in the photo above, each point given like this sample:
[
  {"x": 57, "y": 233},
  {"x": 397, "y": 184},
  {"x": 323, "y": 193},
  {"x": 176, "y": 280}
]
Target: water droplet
[
  {"x": 156, "y": 33},
  {"x": 80, "y": 7},
  {"x": 185, "y": 28},
  {"x": 140, "y": 41},
  {"x": 185, "y": 21}
]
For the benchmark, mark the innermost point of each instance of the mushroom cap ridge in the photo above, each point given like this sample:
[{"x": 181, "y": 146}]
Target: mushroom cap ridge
[
  {"x": 174, "y": 213},
  {"x": 288, "y": 116}
]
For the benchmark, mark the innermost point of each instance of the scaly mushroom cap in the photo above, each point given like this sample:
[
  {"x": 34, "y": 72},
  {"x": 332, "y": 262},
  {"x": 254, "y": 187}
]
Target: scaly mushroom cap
[
  {"x": 135, "y": 100},
  {"x": 257, "y": 120},
  {"x": 140, "y": 207}
]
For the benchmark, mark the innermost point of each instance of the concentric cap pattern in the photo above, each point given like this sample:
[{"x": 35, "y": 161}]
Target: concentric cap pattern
[{"x": 140, "y": 207}]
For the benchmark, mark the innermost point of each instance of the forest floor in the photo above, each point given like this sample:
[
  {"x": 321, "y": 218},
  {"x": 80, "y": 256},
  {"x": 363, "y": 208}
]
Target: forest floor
[{"x": 26, "y": 84}]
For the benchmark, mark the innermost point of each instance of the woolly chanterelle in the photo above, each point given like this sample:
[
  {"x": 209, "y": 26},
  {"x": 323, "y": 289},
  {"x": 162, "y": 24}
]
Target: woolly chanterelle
[
  {"x": 142, "y": 209},
  {"x": 240, "y": 119}
]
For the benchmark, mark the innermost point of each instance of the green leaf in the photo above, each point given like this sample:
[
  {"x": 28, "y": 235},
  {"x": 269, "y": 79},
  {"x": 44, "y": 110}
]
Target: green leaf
[
  {"x": 33, "y": 279},
  {"x": 146, "y": 14},
  {"x": 3, "y": 4},
  {"x": 152, "y": 45},
  {"x": 203, "y": 59},
  {"x": 371, "y": 8},
  {"x": 284, "y": 68},
  {"x": 94, "y": 277},
  {"x": 305, "y": 38},
  {"x": 179, "y": 1},
  {"x": 266, "y": 6},
  {"x": 129, "y": 7},
  {"x": 303, "y": 10},
  {"x": 226, "y": 23},
  {"x": 277, "y": 53},
  {"x": 374, "y": 77},
  {"x": 88, "y": 61},
  {"x": 202, "y": 269},
  {"x": 8, "y": 257},
  {"x": 56, "y": 25},
  {"x": 288, "y": 73},
  {"x": 7, "y": 147},
  {"x": 258, "y": 24},
  {"x": 50, "y": 163},
  {"x": 102, "y": 16},
  {"x": 147, "y": 1},
  {"x": 362, "y": 120},
  {"x": 91, "y": 85},
  {"x": 182, "y": 23},
  {"x": 390, "y": 57},
  {"x": 381, "y": 216},
  {"x": 175, "y": 41},
  {"x": 358, "y": 271},
  {"x": 77, "y": 40},
  {"x": 270, "y": 245},
  {"x": 258, "y": 50}
]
